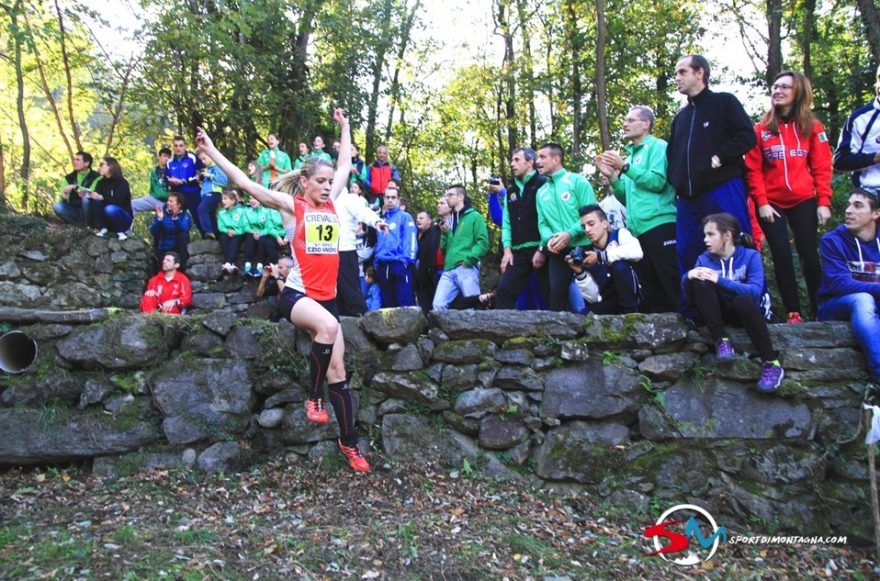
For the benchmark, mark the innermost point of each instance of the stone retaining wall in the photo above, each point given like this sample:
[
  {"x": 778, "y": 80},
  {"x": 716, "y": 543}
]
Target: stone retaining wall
[{"x": 634, "y": 408}]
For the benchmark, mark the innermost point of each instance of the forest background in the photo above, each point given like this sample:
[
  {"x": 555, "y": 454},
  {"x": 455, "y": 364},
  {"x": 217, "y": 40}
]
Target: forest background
[{"x": 450, "y": 104}]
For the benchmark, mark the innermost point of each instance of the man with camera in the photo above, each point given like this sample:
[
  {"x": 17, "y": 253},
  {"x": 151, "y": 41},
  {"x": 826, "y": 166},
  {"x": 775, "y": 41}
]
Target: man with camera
[
  {"x": 559, "y": 200},
  {"x": 74, "y": 208},
  {"x": 520, "y": 236},
  {"x": 605, "y": 272},
  {"x": 272, "y": 283}
]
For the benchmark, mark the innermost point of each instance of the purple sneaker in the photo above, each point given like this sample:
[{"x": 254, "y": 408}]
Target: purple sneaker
[
  {"x": 771, "y": 377},
  {"x": 724, "y": 350}
]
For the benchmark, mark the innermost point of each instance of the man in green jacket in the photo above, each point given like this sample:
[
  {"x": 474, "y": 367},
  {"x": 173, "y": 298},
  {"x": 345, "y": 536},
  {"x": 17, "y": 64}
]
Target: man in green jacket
[
  {"x": 639, "y": 182},
  {"x": 465, "y": 242},
  {"x": 274, "y": 162},
  {"x": 559, "y": 222}
]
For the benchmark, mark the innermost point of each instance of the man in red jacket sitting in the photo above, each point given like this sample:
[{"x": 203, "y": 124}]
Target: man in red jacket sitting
[{"x": 169, "y": 291}]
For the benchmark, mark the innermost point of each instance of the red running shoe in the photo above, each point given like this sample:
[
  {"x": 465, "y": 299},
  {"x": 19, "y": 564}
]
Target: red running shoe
[
  {"x": 794, "y": 318},
  {"x": 316, "y": 412},
  {"x": 355, "y": 459}
]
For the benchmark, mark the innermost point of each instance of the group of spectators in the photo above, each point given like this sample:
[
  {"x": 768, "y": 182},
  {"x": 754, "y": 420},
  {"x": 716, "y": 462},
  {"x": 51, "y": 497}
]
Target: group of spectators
[{"x": 695, "y": 210}]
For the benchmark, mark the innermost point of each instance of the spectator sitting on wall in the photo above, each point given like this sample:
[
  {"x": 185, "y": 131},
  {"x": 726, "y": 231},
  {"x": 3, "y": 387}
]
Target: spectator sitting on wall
[
  {"x": 170, "y": 228},
  {"x": 169, "y": 291},
  {"x": 272, "y": 283}
]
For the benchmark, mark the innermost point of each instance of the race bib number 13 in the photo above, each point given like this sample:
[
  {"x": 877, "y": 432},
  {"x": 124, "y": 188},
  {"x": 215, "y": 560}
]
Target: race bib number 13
[{"x": 322, "y": 233}]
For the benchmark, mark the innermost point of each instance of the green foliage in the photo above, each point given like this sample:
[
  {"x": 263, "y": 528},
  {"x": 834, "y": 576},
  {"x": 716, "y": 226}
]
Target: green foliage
[{"x": 610, "y": 358}]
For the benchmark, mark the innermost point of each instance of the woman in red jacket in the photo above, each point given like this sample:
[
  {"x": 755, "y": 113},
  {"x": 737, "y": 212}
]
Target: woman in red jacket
[{"x": 789, "y": 178}]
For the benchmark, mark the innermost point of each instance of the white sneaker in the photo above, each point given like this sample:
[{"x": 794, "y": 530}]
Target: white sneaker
[
  {"x": 121, "y": 236},
  {"x": 102, "y": 232}
]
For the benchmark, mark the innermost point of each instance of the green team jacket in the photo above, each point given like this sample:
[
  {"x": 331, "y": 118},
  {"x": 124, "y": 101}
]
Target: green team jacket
[
  {"x": 158, "y": 185},
  {"x": 234, "y": 219},
  {"x": 649, "y": 198},
  {"x": 558, "y": 203},
  {"x": 467, "y": 242},
  {"x": 282, "y": 162},
  {"x": 262, "y": 220}
]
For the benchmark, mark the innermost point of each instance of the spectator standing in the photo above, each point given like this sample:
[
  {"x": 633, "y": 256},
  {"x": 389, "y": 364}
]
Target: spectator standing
[
  {"x": 850, "y": 289},
  {"x": 232, "y": 226},
  {"x": 639, "y": 181},
  {"x": 520, "y": 236},
  {"x": 170, "y": 229},
  {"x": 859, "y": 148},
  {"x": 169, "y": 291},
  {"x": 303, "y": 149},
  {"x": 352, "y": 209},
  {"x": 789, "y": 177},
  {"x": 113, "y": 195},
  {"x": 709, "y": 137},
  {"x": 427, "y": 274},
  {"x": 74, "y": 208},
  {"x": 158, "y": 185},
  {"x": 182, "y": 175},
  {"x": 464, "y": 241},
  {"x": 274, "y": 162},
  {"x": 727, "y": 286},
  {"x": 605, "y": 273},
  {"x": 318, "y": 150},
  {"x": 559, "y": 224},
  {"x": 213, "y": 182},
  {"x": 395, "y": 252},
  {"x": 374, "y": 293},
  {"x": 380, "y": 172}
]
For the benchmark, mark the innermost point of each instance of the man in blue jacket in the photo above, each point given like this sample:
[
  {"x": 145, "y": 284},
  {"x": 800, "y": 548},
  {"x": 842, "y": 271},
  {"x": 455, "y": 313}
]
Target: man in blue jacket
[
  {"x": 850, "y": 287},
  {"x": 396, "y": 252},
  {"x": 709, "y": 137},
  {"x": 859, "y": 147},
  {"x": 170, "y": 229},
  {"x": 182, "y": 175}
]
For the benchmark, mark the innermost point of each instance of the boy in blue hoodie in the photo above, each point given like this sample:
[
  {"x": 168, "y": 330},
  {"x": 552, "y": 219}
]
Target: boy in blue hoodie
[{"x": 850, "y": 277}]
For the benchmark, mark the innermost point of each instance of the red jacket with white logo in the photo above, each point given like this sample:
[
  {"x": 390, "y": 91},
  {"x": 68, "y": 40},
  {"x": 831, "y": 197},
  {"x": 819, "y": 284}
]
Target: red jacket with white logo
[
  {"x": 176, "y": 288},
  {"x": 788, "y": 169}
]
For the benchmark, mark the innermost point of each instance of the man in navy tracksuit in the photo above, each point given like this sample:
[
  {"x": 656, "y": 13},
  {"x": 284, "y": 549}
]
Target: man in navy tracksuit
[
  {"x": 709, "y": 137},
  {"x": 859, "y": 147},
  {"x": 182, "y": 175},
  {"x": 396, "y": 252}
]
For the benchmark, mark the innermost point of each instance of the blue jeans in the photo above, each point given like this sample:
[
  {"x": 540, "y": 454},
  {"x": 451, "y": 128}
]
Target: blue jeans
[
  {"x": 208, "y": 213},
  {"x": 861, "y": 311},
  {"x": 86, "y": 214},
  {"x": 114, "y": 218},
  {"x": 461, "y": 280}
]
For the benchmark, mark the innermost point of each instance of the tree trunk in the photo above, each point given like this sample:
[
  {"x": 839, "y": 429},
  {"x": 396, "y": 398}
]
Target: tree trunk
[
  {"x": 25, "y": 172},
  {"x": 573, "y": 46},
  {"x": 525, "y": 70},
  {"x": 65, "y": 60},
  {"x": 809, "y": 31},
  {"x": 46, "y": 90},
  {"x": 502, "y": 28},
  {"x": 774, "y": 39},
  {"x": 601, "y": 89},
  {"x": 378, "y": 66},
  {"x": 120, "y": 106},
  {"x": 3, "y": 203},
  {"x": 404, "y": 38},
  {"x": 871, "y": 20}
]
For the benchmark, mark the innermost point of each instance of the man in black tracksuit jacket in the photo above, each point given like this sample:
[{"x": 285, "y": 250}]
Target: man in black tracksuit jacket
[
  {"x": 709, "y": 137},
  {"x": 519, "y": 232}
]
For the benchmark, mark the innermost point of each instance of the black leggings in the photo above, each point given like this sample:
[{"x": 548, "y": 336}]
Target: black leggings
[
  {"x": 230, "y": 245},
  {"x": 804, "y": 225},
  {"x": 716, "y": 309}
]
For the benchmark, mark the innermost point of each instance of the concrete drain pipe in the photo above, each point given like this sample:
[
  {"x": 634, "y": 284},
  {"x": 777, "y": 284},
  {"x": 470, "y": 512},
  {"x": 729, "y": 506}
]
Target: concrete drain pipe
[{"x": 17, "y": 352}]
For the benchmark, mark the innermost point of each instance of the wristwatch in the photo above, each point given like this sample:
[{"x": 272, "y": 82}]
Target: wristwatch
[{"x": 624, "y": 168}]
